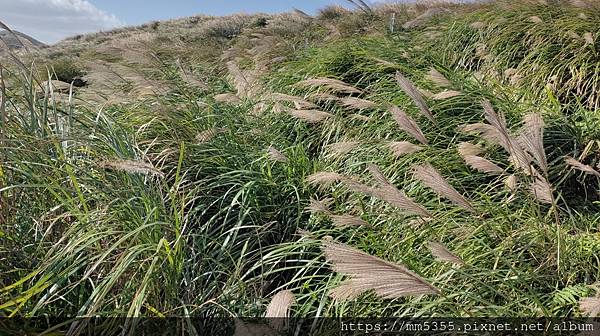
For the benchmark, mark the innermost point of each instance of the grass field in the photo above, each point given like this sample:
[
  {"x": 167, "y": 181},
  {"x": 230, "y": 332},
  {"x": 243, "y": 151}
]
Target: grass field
[{"x": 342, "y": 165}]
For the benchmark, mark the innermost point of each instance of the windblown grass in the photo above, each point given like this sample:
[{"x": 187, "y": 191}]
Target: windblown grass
[{"x": 325, "y": 177}]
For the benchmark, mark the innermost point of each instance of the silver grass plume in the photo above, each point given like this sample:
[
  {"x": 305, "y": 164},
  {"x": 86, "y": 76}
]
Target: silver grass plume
[
  {"x": 441, "y": 253},
  {"x": 331, "y": 84},
  {"x": 541, "y": 189},
  {"x": 399, "y": 148},
  {"x": 502, "y": 137},
  {"x": 579, "y": 3},
  {"x": 511, "y": 183},
  {"x": 324, "y": 179},
  {"x": 304, "y": 233},
  {"x": 279, "y": 97},
  {"x": 446, "y": 94},
  {"x": 590, "y": 306},
  {"x": 279, "y": 108},
  {"x": 280, "y": 304},
  {"x": 323, "y": 97},
  {"x": 304, "y": 105},
  {"x": 378, "y": 175},
  {"x": 531, "y": 139},
  {"x": 131, "y": 166},
  {"x": 425, "y": 93},
  {"x": 432, "y": 178},
  {"x": 347, "y": 221},
  {"x": 588, "y": 38},
  {"x": 466, "y": 149},
  {"x": 483, "y": 165},
  {"x": 360, "y": 117},
  {"x": 397, "y": 198},
  {"x": 227, "y": 98},
  {"x": 407, "y": 124},
  {"x": 361, "y": 5},
  {"x": 436, "y": 77},
  {"x": 319, "y": 206},
  {"x": 278, "y": 309},
  {"x": 239, "y": 80},
  {"x": 535, "y": 19},
  {"x": 367, "y": 272},
  {"x": 302, "y": 14},
  {"x": 411, "y": 90},
  {"x": 417, "y": 223},
  {"x": 573, "y": 35},
  {"x": 276, "y": 155},
  {"x": 357, "y": 103},
  {"x": 387, "y": 192},
  {"x": 356, "y": 186},
  {"x": 347, "y": 290},
  {"x": 478, "y": 25},
  {"x": 208, "y": 135},
  {"x": 342, "y": 147},
  {"x": 189, "y": 77},
  {"x": 259, "y": 108},
  {"x": 580, "y": 166},
  {"x": 487, "y": 131},
  {"x": 311, "y": 116}
]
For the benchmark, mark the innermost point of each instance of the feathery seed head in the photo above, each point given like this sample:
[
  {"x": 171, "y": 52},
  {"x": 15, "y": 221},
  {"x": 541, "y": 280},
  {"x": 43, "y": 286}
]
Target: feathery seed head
[
  {"x": 432, "y": 178},
  {"x": 276, "y": 155},
  {"x": 367, "y": 272},
  {"x": 441, "y": 253},
  {"x": 324, "y": 179},
  {"x": 400, "y": 148},
  {"x": 343, "y": 147},
  {"x": 436, "y": 77},
  {"x": 319, "y": 206},
  {"x": 311, "y": 116},
  {"x": 407, "y": 124},
  {"x": 411, "y": 90}
]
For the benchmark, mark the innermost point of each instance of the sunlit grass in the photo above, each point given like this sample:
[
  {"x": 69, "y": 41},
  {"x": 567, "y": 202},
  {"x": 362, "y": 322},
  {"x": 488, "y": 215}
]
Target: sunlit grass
[{"x": 175, "y": 204}]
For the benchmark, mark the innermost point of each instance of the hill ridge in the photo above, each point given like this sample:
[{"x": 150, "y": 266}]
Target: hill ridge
[{"x": 20, "y": 40}]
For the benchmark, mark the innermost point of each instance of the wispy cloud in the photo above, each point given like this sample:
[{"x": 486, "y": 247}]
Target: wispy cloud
[{"x": 52, "y": 20}]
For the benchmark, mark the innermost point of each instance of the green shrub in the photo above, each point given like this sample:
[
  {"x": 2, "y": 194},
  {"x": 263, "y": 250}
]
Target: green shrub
[{"x": 63, "y": 69}]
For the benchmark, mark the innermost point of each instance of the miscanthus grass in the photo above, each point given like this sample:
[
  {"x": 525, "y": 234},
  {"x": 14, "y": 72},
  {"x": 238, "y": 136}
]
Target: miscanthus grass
[{"x": 324, "y": 185}]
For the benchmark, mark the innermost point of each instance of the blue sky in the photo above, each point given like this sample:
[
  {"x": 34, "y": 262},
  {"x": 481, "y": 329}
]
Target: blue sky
[
  {"x": 53, "y": 20},
  {"x": 140, "y": 11}
]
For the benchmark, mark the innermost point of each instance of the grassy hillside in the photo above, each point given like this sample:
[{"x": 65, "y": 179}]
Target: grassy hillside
[
  {"x": 402, "y": 160},
  {"x": 17, "y": 40}
]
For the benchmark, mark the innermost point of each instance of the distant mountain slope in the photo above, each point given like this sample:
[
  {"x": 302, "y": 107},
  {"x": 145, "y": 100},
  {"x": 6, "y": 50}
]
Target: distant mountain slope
[{"x": 24, "y": 39}]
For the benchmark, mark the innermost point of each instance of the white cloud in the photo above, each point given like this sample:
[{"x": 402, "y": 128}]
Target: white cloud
[{"x": 52, "y": 20}]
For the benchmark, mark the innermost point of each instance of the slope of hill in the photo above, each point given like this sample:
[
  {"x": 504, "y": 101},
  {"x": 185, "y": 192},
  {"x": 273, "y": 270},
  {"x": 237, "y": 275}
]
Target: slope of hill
[
  {"x": 402, "y": 160},
  {"x": 20, "y": 40}
]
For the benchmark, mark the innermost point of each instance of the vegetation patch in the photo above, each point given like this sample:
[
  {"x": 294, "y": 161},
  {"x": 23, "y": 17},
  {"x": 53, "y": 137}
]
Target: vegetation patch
[{"x": 348, "y": 164}]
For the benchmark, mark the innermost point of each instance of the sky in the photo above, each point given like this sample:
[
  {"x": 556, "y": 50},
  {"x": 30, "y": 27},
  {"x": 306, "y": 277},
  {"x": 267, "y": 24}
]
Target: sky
[{"x": 52, "y": 20}]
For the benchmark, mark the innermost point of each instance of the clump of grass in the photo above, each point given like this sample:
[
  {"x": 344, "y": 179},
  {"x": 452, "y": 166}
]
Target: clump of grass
[
  {"x": 201, "y": 206},
  {"x": 228, "y": 27},
  {"x": 547, "y": 45},
  {"x": 64, "y": 69},
  {"x": 332, "y": 12}
]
